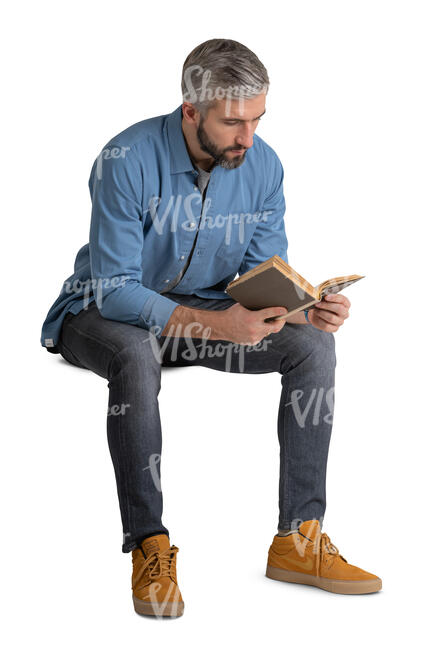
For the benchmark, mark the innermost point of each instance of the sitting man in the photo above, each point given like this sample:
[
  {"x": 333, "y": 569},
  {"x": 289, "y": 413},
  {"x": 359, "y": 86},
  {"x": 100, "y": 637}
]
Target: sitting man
[{"x": 181, "y": 203}]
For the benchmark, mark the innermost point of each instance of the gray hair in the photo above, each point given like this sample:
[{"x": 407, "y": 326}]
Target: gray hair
[{"x": 222, "y": 69}]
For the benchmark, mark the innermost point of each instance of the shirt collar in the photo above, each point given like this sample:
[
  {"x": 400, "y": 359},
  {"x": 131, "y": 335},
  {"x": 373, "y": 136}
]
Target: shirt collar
[{"x": 179, "y": 157}]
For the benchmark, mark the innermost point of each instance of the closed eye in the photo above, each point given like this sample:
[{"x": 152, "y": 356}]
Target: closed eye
[{"x": 233, "y": 122}]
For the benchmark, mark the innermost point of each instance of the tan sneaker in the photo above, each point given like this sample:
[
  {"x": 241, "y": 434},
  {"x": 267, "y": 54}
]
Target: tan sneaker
[
  {"x": 154, "y": 578},
  {"x": 308, "y": 557}
]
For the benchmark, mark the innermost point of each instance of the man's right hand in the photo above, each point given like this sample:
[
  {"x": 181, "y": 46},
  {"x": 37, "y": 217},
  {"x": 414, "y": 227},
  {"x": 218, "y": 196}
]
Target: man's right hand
[
  {"x": 236, "y": 324},
  {"x": 247, "y": 327}
]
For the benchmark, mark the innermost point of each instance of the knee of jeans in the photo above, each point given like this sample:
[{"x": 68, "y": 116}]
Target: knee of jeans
[
  {"x": 326, "y": 349},
  {"x": 320, "y": 349},
  {"x": 140, "y": 355}
]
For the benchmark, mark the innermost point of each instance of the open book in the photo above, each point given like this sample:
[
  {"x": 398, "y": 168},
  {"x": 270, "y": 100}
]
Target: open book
[{"x": 275, "y": 284}]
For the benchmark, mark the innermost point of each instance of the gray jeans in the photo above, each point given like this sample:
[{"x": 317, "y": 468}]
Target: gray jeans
[{"x": 130, "y": 358}]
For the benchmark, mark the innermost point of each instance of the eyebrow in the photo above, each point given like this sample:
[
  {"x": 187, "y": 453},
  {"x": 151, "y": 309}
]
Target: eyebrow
[{"x": 237, "y": 119}]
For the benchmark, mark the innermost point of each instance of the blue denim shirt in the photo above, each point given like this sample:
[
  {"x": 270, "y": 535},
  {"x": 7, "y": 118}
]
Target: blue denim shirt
[{"x": 146, "y": 209}]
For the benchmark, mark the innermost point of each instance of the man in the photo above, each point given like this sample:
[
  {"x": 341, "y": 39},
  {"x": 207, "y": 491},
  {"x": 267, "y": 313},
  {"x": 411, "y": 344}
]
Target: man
[{"x": 180, "y": 204}]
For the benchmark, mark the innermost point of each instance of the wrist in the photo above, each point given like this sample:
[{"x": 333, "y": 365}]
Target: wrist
[
  {"x": 189, "y": 322},
  {"x": 215, "y": 322}
]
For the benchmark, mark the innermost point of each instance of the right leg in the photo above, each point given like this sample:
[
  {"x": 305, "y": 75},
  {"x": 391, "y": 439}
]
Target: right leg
[{"x": 123, "y": 354}]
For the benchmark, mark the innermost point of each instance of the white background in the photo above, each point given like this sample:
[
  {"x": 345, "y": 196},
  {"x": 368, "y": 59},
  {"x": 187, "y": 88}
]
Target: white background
[{"x": 343, "y": 114}]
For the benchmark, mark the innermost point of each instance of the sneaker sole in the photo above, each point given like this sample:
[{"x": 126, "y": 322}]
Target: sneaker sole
[
  {"x": 170, "y": 608},
  {"x": 328, "y": 584}
]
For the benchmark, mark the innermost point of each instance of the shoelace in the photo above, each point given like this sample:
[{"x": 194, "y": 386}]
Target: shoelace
[
  {"x": 327, "y": 546},
  {"x": 324, "y": 545},
  {"x": 160, "y": 565}
]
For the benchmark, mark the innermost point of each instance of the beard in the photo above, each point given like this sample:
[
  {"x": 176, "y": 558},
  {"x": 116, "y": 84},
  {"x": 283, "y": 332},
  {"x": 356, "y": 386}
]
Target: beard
[{"x": 217, "y": 154}]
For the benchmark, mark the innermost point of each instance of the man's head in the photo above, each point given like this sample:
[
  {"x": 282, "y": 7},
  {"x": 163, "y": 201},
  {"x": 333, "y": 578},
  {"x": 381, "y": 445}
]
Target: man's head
[{"x": 224, "y": 89}]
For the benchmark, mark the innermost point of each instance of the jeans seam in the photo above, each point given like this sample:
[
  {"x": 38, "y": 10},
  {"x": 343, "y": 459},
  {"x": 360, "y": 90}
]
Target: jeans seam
[
  {"x": 125, "y": 470},
  {"x": 285, "y": 505}
]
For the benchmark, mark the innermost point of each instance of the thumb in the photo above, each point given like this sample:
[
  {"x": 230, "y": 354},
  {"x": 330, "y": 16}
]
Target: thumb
[{"x": 273, "y": 311}]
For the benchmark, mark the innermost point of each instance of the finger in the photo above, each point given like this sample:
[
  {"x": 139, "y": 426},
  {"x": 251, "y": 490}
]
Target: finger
[
  {"x": 338, "y": 298},
  {"x": 269, "y": 312},
  {"x": 323, "y": 325},
  {"x": 329, "y": 316},
  {"x": 276, "y": 326},
  {"x": 335, "y": 307}
]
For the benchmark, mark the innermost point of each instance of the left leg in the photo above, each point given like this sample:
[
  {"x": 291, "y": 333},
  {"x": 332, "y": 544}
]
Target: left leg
[
  {"x": 305, "y": 419},
  {"x": 305, "y": 356}
]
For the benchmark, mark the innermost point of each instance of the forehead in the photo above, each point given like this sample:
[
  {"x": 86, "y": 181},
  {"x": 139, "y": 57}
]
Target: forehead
[{"x": 242, "y": 109}]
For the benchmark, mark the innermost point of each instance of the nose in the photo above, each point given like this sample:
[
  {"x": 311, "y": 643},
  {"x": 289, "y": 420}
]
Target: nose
[{"x": 245, "y": 138}]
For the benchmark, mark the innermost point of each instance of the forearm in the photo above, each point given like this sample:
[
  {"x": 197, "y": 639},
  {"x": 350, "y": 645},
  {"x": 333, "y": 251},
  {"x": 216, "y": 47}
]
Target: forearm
[{"x": 196, "y": 323}]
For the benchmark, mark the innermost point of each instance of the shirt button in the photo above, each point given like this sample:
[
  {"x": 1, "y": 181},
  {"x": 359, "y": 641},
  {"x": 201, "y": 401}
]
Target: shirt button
[
  {"x": 166, "y": 280},
  {"x": 182, "y": 257},
  {"x": 196, "y": 189},
  {"x": 192, "y": 224}
]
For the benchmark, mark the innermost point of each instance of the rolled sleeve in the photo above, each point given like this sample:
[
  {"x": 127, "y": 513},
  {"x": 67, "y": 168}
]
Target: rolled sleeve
[{"x": 156, "y": 312}]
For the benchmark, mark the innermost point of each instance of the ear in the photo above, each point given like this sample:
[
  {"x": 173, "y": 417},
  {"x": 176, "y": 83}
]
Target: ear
[{"x": 190, "y": 113}]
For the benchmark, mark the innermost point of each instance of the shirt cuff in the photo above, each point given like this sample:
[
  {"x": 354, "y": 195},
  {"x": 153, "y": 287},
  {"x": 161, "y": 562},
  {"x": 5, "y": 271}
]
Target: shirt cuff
[{"x": 156, "y": 313}]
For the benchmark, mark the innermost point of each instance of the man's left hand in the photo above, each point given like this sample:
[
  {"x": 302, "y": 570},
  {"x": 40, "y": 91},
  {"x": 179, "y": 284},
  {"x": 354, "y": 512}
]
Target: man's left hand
[{"x": 329, "y": 314}]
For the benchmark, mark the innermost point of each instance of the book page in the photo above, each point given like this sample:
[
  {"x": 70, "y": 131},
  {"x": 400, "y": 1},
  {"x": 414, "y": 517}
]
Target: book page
[{"x": 335, "y": 285}]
